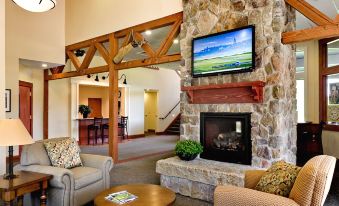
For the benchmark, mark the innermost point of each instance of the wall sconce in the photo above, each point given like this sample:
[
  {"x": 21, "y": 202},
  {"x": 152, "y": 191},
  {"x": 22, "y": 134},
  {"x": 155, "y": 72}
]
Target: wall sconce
[{"x": 123, "y": 76}]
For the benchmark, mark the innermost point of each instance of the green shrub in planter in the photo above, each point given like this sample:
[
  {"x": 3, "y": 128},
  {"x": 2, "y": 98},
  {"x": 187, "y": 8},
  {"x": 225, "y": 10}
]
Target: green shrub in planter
[
  {"x": 188, "y": 149},
  {"x": 84, "y": 110}
]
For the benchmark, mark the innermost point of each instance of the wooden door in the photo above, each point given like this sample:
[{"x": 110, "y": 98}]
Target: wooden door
[
  {"x": 26, "y": 106},
  {"x": 151, "y": 111},
  {"x": 96, "y": 106}
]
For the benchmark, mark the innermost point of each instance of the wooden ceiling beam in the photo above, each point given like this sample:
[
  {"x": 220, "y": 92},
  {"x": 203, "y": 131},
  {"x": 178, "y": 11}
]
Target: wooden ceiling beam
[
  {"x": 315, "y": 33},
  {"x": 148, "y": 62},
  {"x": 64, "y": 75},
  {"x": 310, "y": 12},
  {"x": 103, "y": 52},
  {"x": 168, "y": 42},
  {"x": 165, "y": 21},
  {"x": 88, "y": 57},
  {"x": 87, "y": 43},
  {"x": 74, "y": 59}
]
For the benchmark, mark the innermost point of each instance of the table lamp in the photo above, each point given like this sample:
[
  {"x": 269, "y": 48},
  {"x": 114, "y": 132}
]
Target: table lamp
[{"x": 13, "y": 133}]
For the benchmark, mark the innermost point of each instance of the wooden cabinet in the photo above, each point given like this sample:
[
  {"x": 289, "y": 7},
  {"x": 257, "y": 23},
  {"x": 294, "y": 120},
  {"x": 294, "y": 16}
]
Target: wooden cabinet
[{"x": 309, "y": 141}]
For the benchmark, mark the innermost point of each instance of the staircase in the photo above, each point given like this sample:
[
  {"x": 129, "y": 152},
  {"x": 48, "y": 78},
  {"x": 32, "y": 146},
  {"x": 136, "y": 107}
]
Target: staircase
[{"x": 174, "y": 127}]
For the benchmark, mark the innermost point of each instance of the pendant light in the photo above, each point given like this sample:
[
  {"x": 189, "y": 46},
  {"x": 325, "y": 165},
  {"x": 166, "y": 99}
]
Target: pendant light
[{"x": 36, "y": 5}]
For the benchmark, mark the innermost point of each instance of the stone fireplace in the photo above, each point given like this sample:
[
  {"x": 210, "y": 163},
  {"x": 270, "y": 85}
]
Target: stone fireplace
[
  {"x": 226, "y": 137},
  {"x": 272, "y": 121}
]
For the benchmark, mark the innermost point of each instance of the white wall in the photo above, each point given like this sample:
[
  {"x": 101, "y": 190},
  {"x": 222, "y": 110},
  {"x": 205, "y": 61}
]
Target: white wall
[
  {"x": 34, "y": 36},
  {"x": 2, "y": 80},
  {"x": 59, "y": 108},
  {"x": 88, "y": 18},
  {"x": 165, "y": 81}
]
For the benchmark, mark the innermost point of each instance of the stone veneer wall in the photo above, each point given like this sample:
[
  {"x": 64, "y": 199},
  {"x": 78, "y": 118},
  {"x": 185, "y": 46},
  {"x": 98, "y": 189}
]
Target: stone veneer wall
[{"x": 273, "y": 121}]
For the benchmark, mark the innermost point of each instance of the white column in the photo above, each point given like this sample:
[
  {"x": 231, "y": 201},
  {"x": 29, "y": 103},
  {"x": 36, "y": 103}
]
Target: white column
[{"x": 2, "y": 81}]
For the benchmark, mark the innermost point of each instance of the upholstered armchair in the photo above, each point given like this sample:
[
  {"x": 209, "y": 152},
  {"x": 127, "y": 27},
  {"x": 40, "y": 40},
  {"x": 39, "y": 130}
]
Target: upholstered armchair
[
  {"x": 310, "y": 188},
  {"x": 68, "y": 187}
]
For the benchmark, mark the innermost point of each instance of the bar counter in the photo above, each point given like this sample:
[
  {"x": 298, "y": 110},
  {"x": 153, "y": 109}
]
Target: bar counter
[{"x": 83, "y": 132}]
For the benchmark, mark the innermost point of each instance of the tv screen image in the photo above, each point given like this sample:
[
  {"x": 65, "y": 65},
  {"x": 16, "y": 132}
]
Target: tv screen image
[{"x": 227, "y": 52}]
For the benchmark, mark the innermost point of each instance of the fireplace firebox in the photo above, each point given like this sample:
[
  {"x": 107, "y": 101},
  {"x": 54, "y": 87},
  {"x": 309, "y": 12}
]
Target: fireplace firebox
[{"x": 226, "y": 137}]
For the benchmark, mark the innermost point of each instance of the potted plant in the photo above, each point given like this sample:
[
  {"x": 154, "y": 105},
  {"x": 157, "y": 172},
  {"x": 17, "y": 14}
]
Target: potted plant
[
  {"x": 84, "y": 110},
  {"x": 188, "y": 149}
]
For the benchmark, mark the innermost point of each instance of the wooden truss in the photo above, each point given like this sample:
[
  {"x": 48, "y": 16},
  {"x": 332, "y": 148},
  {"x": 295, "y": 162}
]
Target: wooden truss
[
  {"x": 326, "y": 27},
  {"x": 97, "y": 44}
]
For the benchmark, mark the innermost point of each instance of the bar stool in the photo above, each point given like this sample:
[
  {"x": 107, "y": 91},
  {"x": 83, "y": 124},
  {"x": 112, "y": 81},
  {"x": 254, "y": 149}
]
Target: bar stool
[
  {"x": 104, "y": 132},
  {"x": 95, "y": 127},
  {"x": 123, "y": 125}
]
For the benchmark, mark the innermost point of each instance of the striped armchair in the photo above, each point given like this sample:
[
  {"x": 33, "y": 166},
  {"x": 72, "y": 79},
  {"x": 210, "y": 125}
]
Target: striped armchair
[{"x": 310, "y": 188}]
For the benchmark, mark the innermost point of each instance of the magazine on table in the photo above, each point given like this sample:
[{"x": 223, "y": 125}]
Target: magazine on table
[{"x": 121, "y": 197}]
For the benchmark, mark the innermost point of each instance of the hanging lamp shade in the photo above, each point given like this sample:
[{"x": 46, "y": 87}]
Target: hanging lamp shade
[{"x": 36, "y": 5}]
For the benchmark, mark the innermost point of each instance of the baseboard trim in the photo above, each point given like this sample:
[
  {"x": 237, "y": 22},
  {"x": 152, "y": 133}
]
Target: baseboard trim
[
  {"x": 135, "y": 136},
  {"x": 160, "y": 133}
]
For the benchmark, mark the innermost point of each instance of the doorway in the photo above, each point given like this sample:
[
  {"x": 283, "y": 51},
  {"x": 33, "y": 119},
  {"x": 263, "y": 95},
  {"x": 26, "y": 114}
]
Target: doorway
[
  {"x": 96, "y": 106},
  {"x": 26, "y": 106},
  {"x": 151, "y": 111}
]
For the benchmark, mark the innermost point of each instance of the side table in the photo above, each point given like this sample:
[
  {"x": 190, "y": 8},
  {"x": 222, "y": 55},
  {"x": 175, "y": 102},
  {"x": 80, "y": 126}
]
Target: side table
[{"x": 26, "y": 182}]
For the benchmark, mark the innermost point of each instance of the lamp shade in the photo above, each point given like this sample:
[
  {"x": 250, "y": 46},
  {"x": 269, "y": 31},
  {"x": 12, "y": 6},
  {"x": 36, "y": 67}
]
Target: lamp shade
[
  {"x": 36, "y": 5},
  {"x": 13, "y": 132}
]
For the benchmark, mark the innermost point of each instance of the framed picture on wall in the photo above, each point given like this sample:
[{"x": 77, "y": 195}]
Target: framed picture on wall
[
  {"x": 8, "y": 100},
  {"x": 334, "y": 93}
]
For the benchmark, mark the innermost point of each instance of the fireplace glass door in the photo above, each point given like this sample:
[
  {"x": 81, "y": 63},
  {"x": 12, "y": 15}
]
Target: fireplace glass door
[{"x": 226, "y": 137}]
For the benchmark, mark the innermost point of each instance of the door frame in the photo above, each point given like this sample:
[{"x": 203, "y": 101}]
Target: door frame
[
  {"x": 157, "y": 111},
  {"x": 30, "y": 86}
]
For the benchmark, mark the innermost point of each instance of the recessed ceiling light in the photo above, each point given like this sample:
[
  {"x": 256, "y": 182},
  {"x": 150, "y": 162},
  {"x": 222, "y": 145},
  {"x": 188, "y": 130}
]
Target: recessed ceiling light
[
  {"x": 44, "y": 65},
  {"x": 148, "y": 32},
  {"x": 176, "y": 41}
]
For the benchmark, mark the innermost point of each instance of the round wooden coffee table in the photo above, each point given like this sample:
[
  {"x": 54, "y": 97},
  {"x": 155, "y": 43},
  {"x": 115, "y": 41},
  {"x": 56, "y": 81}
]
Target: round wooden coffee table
[{"x": 148, "y": 195}]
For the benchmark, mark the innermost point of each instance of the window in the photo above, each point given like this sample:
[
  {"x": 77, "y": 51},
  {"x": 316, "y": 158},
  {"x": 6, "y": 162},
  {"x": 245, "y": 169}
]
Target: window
[
  {"x": 300, "y": 76},
  {"x": 329, "y": 83}
]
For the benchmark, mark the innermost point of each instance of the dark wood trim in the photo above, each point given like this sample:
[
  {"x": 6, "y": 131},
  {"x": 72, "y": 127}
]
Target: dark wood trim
[
  {"x": 331, "y": 127},
  {"x": 135, "y": 136},
  {"x": 240, "y": 92},
  {"x": 30, "y": 86},
  {"x": 45, "y": 117},
  {"x": 325, "y": 71}
]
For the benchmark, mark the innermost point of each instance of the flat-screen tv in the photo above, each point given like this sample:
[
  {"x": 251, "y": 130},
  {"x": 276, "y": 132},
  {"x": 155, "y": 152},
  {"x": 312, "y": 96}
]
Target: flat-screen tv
[{"x": 226, "y": 52}]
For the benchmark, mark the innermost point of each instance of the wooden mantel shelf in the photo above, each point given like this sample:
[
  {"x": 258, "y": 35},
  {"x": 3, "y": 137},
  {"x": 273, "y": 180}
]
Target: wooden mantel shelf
[{"x": 241, "y": 92}]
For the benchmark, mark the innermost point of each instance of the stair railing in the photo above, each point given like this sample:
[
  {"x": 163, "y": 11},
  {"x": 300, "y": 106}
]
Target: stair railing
[{"x": 162, "y": 118}]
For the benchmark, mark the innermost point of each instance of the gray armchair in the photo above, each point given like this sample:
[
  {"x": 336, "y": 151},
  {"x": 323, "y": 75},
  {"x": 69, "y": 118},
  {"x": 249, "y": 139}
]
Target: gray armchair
[{"x": 68, "y": 187}]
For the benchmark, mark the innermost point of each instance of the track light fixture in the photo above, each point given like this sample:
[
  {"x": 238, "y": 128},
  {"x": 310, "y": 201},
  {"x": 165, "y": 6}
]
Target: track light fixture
[
  {"x": 97, "y": 78},
  {"x": 79, "y": 52}
]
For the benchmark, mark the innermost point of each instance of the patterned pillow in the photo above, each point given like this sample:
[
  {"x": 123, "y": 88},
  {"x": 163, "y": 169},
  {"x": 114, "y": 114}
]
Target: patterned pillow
[
  {"x": 279, "y": 179},
  {"x": 63, "y": 153}
]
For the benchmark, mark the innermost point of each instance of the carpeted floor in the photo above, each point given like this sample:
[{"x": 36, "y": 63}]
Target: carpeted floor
[
  {"x": 137, "y": 147},
  {"x": 143, "y": 170}
]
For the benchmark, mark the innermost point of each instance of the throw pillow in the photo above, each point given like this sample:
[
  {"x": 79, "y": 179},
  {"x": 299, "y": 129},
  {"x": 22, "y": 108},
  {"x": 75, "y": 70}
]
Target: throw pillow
[
  {"x": 63, "y": 153},
  {"x": 279, "y": 179}
]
